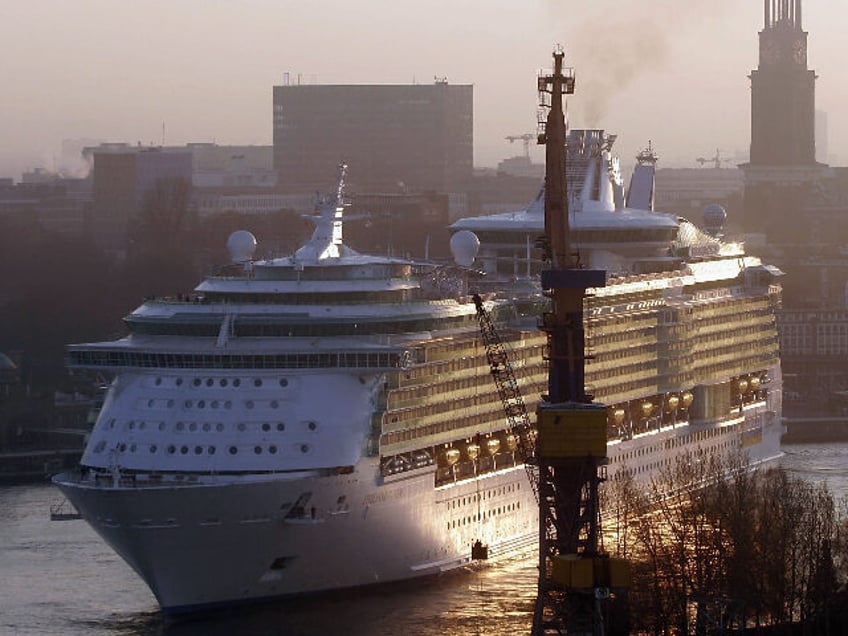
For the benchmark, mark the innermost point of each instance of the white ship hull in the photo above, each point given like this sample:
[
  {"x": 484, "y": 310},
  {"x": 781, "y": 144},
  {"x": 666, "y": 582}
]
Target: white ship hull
[
  {"x": 207, "y": 541},
  {"x": 208, "y": 544}
]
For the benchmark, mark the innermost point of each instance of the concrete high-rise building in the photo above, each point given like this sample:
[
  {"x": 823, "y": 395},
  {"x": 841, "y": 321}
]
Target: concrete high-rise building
[
  {"x": 396, "y": 138},
  {"x": 783, "y": 147},
  {"x": 122, "y": 177}
]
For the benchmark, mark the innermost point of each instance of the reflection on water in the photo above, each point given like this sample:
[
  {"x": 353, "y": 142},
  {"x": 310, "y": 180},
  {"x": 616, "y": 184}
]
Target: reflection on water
[{"x": 59, "y": 578}]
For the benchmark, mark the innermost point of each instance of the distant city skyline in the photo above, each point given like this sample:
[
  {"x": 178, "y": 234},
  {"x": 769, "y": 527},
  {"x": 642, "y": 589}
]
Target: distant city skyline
[{"x": 195, "y": 71}]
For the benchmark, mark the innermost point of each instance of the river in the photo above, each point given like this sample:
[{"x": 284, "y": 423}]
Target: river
[{"x": 58, "y": 577}]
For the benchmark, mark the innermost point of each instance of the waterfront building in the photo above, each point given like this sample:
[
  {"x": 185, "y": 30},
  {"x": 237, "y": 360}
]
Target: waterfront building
[{"x": 402, "y": 138}]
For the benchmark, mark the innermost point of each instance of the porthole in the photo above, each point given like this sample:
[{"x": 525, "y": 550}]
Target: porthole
[
  {"x": 188, "y": 404},
  {"x": 201, "y": 404},
  {"x": 237, "y": 382},
  {"x": 223, "y": 382},
  {"x": 257, "y": 450},
  {"x": 153, "y": 448},
  {"x": 142, "y": 425},
  {"x": 150, "y": 404},
  {"x": 178, "y": 381},
  {"x": 272, "y": 449},
  {"x": 266, "y": 427},
  {"x": 180, "y": 426},
  {"x": 233, "y": 450},
  {"x": 210, "y": 382},
  {"x": 283, "y": 382},
  {"x": 100, "y": 446},
  {"x": 280, "y": 426},
  {"x": 196, "y": 382},
  {"x": 170, "y": 403},
  {"x": 112, "y": 423},
  {"x": 131, "y": 425},
  {"x": 257, "y": 382},
  {"x": 198, "y": 450},
  {"x": 171, "y": 449},
  {"x": 161, "y": 426},
  {"x": 241, "y": 426},
  {"x": 158, "y": 381},
  {"x": 312, "y": 426},
  {"x": 122, "y": 447},
  {"x": 184, "y": 449},
  {"x": 275, "y": 404},
  {"x": 228, "y": 405},
  {"x": 249, "y": 404},
  {"x": 304, "y": 448},
  {"x": 214, "y": 404},
  {"x": 192, "y": 426},
  {"x": 206, "y": 426},
  {"x": 211, "y": 450},
  {"x": 132, "y": 448},
  {"x": 219, "y": 427}
]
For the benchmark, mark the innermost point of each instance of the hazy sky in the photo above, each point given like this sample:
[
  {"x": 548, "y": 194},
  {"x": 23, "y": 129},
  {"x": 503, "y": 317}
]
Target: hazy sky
[{"x": 673, "y": 71}]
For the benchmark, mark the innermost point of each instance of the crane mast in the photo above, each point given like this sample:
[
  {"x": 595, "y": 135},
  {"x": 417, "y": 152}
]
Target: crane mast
[{"x": 574, "y": 573}]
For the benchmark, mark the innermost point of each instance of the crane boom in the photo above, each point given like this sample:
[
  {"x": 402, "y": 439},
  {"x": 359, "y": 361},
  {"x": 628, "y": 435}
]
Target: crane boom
[{"x": 513, "y": 402}]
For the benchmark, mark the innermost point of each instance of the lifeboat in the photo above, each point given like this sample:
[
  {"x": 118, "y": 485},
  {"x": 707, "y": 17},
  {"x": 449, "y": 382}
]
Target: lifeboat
[
  {"x": 510, "y": 442},
  {"x": 686, "y": 399},
  {"x": 450, "y": 456},
  {"x": 472, "y": 451},
  {"x": 421, "y": 458},
  {"x": 754, "y": 382},
  {"x": 493, "y": 444},
  {"x": 742, "y": 385},
  {"x": 646, "y": 408},
  {"x": 671, "y": 403},
  {"x": 618, "y": 416}
]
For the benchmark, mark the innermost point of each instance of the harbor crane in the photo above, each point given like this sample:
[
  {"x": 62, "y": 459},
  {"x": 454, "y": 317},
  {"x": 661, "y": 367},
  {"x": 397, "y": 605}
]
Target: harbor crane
[
  {"x": 525, "y": 138},
  {"x": 716, "y": 160},
  {"x": 576, "y": 577}
]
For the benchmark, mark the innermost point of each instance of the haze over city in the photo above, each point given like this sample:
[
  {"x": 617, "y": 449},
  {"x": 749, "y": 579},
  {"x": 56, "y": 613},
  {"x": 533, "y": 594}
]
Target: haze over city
[{"x": 193, "y": 71}]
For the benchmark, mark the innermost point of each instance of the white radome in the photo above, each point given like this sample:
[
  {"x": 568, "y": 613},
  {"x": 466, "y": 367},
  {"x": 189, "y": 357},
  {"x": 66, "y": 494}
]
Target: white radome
[
  {"x": 464, "y": 246},
  {"x": 241, "y": 245}
]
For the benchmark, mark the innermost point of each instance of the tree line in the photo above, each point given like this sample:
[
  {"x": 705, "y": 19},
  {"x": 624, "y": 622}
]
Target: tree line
[{"x": 718, "y": 548}]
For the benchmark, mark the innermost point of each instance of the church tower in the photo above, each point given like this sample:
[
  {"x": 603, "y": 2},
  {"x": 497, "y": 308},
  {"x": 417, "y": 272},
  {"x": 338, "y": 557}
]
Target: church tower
[
  {"x": 783, "y": 91},
  {"x": 783, "y": 148}
]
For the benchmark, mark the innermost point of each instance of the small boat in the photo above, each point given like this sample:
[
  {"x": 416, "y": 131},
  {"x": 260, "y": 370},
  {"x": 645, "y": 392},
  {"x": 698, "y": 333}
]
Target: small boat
[{"x": 64, "y": 511}]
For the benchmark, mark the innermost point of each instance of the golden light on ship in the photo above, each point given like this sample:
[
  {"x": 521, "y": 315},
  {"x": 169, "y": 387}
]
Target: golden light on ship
[{"x": 671, "y": 403}]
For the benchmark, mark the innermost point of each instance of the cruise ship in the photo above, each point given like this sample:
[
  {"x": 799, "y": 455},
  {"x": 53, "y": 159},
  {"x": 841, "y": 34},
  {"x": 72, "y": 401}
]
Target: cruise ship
[
  {"x": 329, "y": 419},
  {"x": 681, "y": 342}
]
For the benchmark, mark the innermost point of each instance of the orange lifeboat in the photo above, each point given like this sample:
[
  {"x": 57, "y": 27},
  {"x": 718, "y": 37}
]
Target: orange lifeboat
[
  {"x": 472, "y": 451},
  {"x": 686, "y": 399},
  {"x": 646, "y": 408},
  {"x": 742, "y": 385},
  {"x": 671, "y": 403},
  {"x": 754, "y": 382},
  {"x": 450, "y": 456}
]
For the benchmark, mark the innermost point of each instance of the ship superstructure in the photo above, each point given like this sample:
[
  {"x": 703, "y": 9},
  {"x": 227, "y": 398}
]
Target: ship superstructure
[{"x": 681, "y": 341}]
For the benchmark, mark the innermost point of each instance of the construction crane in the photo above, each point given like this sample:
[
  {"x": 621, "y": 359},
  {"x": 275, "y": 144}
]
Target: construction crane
[
  {"x": 716, "y": 159},
  {"x": 526, "y": 137},
  {"x": 510, "y": 394},
  {"x": 575, "y": 576}
]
